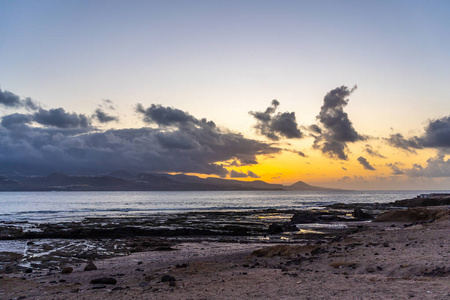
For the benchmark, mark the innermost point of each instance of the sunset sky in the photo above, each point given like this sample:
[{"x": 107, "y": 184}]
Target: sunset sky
[{"x": 349, "y": 94}]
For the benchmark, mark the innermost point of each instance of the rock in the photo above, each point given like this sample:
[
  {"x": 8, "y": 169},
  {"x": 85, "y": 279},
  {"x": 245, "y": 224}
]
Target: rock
[
  {"x": 99, "y": 286},
  {"x": 67, "y": 270},
  {"x": 104, "y": 280},
  {"x": 90, "y": 266},
  {"x": 28, "y": 270},
  {"x": 359, "y": 214},
  {"x": 303, "y": 217},
  {"x": 409, "y": 215},
  {"x": 179, "y": 266},
  {"x": 275, "y": 228},
  {"x": 167, "y": 278}
]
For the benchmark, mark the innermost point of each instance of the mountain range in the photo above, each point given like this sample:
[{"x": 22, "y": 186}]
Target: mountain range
[{"x": 124, "y": 181}]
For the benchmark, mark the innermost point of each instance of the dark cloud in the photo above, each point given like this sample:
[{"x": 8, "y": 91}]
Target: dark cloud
[
  {"x": 274, "y": 126},
  {"x": 398, "y": 141},
  {"x": 16, "y": 121},
  {"x": 103, "y": 117},
  {"x": 67, "y": 142},
  {"x": 436, "y": 167},
  {"x": 395, "y": 168},
  {"x": 301, "y": 153},
  {"x": 374, "y": 153},
  {"x": 165, "y": 116},
  {"x": 337, "y": 128},
  {"x": 237, "y": 174},
  {"x": 58, "y": 117},
  {"x": 252, "y": 175},
  {"x": 365, "y": 163},
  {"x": 11, "y": 100},
  {"x": 437, "y": 135}
]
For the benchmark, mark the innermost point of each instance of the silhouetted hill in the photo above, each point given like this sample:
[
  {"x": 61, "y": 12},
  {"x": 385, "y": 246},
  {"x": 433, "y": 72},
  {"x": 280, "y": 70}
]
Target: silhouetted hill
[
  {"x": 301, "y": 186},
  {"x": 123, "y": 181}
]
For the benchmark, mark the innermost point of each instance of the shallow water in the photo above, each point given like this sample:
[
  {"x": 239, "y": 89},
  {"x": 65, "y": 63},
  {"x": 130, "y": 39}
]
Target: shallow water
[{"x": 55, "y": 207}]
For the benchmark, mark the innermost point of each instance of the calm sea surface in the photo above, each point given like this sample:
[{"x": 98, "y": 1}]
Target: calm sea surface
[{"x": 74, "y": 206}]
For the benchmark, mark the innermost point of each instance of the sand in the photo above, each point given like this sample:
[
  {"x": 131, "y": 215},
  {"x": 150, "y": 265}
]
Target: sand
[{"x": 386, "y": 261}]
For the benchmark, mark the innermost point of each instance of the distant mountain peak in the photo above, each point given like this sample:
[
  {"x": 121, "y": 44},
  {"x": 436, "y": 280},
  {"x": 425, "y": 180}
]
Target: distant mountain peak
[{"x": 302, "y": 186}]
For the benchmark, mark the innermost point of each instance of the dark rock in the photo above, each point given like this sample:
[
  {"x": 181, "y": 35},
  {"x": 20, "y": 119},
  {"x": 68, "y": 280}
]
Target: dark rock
[
  {"x": 67, "y": 270},
  {"x": 76, "y": 290},
  {"x": 167, "y": 278},
  {"x": 62, "y": 280},
  {"x": 275, "y": 228},
  {"x": 172, "y": 283},
  {"x": 104, "y": 280},
  {"x": 90, "y": 266},
  {"x": 98, "y": 286},
  {"x": 359, "y": 214},
  {"x": 28, "y": 270},
  {"x": 117, "y": 288},
  {"x": 180, "y": 266},
  {"x": 303, "y": 217}
]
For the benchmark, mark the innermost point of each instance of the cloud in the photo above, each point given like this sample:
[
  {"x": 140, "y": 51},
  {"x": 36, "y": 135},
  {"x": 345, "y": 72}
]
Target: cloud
[
  {"x": 55, "y": 140},
  {"x": 237, "y": 174},
  {"x": 166, "y": 116},
  {"x": 337, "y": 129},
  {"x": 16, "y": 121},
  {"x": 11, "y": 100},
  {"x": 436, "y": 135},
  {"x": 103, "y": 117},
  {"x": 58, "y": 117},
  {"x": 436, "y": 167},
  {"x": 398, "y": 141},
  {"x": 275, "y": 126},
  {"x": 365, "y": 163},
  {"x": 395, "y": 168},
  {"x": 374, "y": 153},
  {"x": 252, "y": 175}
]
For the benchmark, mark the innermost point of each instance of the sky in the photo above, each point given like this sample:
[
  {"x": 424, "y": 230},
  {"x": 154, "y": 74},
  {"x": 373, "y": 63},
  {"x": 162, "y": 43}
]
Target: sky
[{"x": 344, "y": 94}]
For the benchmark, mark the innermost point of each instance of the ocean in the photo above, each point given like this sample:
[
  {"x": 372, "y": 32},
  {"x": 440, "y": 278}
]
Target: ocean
[{"x": 55, "y": 207}]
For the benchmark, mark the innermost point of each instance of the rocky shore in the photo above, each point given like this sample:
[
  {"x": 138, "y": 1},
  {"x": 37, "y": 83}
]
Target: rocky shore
[{"x": 398, "y": 250}]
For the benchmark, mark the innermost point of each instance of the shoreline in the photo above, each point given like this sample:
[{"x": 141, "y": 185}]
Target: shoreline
[
  {"x": 317, "y": 254},
  {"x": 386, "y": 261}
]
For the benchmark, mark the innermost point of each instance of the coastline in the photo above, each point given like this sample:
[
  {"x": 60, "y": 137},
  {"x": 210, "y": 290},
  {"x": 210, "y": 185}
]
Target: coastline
[{"x": 395, "y": 258}]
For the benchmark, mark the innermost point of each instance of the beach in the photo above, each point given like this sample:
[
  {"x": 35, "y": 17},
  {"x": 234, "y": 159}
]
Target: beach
[{"x": 402, "y": 254}]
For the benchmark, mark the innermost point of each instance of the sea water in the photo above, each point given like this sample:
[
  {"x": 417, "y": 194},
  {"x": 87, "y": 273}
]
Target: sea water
[{"x": 54, "y": 207}]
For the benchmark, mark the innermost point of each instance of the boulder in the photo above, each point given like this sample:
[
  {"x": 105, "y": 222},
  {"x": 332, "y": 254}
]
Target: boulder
[
  {"x": 359, "y": 214},
  {"x": 418, "y": 214}
]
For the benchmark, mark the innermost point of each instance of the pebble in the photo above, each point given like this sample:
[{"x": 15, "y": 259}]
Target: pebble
[
  {"x": 90, "y": 266},
  {"x": 67, "y": 270},
  {"x": 104, "y": 280},
  {"x": 167, "y": 278}
]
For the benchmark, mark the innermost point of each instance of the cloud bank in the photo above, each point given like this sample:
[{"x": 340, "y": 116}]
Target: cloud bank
[{"x": 55, "y": 140}]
